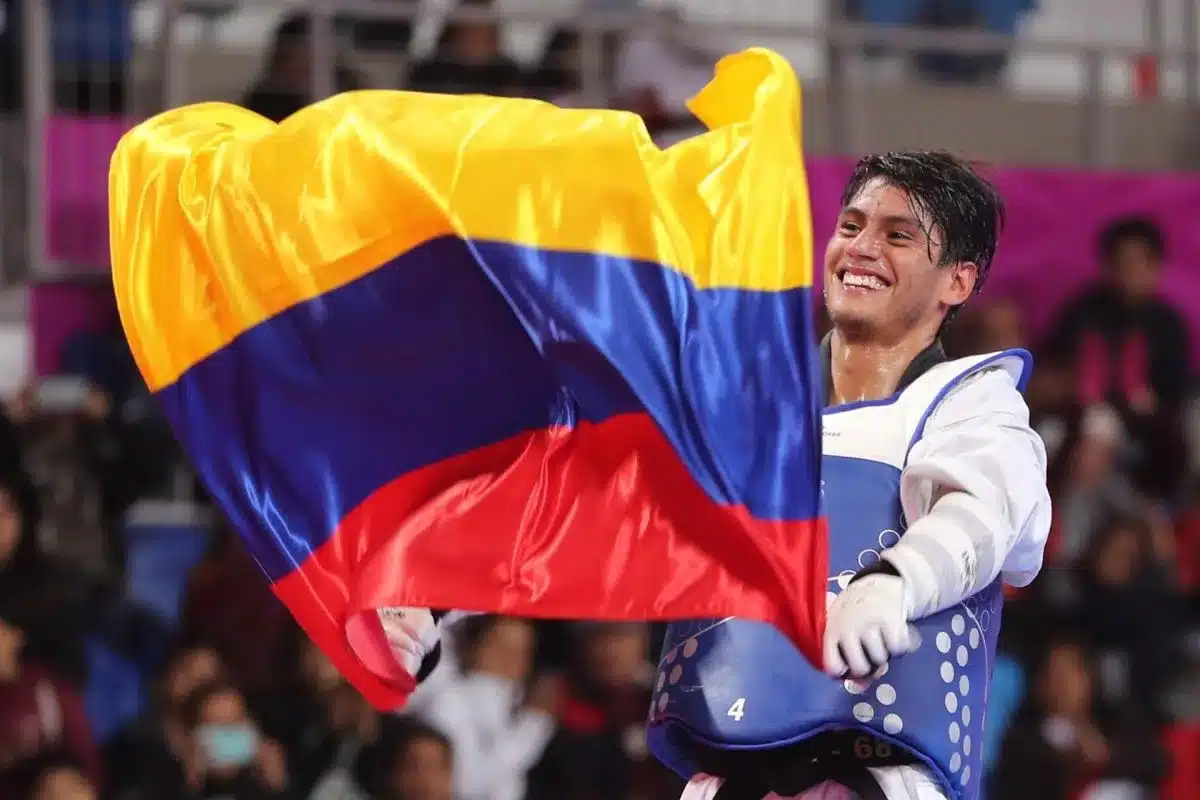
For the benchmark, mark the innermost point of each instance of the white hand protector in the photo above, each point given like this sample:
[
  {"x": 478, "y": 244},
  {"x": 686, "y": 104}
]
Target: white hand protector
[
  {"x": 412, "y": 634},
  {"x": 866, "y": 626}
]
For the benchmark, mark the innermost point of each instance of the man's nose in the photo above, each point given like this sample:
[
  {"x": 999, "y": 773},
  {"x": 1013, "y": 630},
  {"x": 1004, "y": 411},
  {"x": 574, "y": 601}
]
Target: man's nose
[{"x": 865, "y": 245}]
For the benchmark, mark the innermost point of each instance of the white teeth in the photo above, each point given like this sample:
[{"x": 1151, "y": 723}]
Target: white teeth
[{"x": 865, "y": 281}]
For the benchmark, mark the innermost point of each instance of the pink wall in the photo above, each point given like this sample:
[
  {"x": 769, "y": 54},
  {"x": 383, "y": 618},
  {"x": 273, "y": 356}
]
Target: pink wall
[{"x": 1047, "y": 252}]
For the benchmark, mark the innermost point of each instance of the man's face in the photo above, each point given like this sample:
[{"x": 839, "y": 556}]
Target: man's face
[
  {"x": 1136, "y": 269},
  {"x": 881, "y": 268}
]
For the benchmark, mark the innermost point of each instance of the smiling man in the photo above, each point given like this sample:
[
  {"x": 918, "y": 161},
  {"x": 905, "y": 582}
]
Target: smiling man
[{"x": 935, "y": 490}]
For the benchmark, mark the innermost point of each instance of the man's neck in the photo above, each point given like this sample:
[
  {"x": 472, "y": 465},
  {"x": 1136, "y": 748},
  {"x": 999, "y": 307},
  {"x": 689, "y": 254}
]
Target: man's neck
[{"x": 865, "y": 370}]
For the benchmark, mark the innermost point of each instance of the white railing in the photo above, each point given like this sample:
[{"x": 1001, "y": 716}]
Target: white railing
[{"x": 836, "y": 46}]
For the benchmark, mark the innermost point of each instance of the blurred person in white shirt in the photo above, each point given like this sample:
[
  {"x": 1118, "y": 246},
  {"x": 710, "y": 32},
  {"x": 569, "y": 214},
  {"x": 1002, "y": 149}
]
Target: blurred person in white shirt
[{"x": 497, "y": 729}]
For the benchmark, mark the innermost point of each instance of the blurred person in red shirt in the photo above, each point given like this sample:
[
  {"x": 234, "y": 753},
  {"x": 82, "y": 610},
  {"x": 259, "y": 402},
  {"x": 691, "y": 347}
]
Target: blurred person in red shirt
[
  {"x": 231, "y": 607},
  {"x": 39, "y": 712},
  {"x": 1187, "y": 545}
]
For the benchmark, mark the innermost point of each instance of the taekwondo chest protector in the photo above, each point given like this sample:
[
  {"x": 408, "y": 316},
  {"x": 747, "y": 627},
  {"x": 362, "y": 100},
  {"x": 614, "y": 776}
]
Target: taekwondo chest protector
[{"x": 737, "y": 684}]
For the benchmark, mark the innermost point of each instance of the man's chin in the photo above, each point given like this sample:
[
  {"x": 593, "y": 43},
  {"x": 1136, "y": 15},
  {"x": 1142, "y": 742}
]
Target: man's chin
[{"x": 852, "y": 323}]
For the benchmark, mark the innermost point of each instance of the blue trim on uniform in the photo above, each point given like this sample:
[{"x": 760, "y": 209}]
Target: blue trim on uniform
[
  {"x": 857, "y": 404},
  {"x": 1022, "y": 381},
  {"x": 1024, "y": 355}
]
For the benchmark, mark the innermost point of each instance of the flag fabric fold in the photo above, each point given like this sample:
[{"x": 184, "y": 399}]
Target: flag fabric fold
[{"x": 481, "y": 353}]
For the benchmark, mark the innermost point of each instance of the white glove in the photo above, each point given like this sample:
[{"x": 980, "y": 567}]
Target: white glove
[
  {"x": 866, "y": 626},
  {"x": 412, "y": 634}
]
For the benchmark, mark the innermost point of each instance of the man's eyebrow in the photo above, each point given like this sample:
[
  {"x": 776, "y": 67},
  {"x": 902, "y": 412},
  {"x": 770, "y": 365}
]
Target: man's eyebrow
[{"x": 891, "y": 219}]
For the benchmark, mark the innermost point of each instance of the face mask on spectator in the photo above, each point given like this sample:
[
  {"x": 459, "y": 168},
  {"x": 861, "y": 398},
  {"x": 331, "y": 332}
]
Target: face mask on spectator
[{"x": 228, "y": 745}]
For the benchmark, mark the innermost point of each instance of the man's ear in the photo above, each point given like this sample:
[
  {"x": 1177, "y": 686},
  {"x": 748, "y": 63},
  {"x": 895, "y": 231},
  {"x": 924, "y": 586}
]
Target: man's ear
[{"x": 961, "y": 285}]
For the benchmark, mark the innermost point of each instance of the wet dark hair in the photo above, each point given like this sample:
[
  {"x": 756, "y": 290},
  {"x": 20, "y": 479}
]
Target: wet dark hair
[
  {"x": 962, "y": 206},
  {"x": 1131, "y": 229}
]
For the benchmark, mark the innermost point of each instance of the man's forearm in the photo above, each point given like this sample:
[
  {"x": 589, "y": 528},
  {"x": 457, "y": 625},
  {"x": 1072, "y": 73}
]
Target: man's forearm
[{"x": 950, "y": 554}]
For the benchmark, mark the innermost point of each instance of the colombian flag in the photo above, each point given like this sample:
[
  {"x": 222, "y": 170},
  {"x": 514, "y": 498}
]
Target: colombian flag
[{"x": 488, "y": 354}]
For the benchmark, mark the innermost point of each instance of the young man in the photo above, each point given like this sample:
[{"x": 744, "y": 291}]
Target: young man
[{"x": 935, "y": 490}]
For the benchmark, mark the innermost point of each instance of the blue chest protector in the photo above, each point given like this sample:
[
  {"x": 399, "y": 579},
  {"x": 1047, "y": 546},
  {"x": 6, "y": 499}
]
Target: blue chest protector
[{"x": 736, "y": 684}]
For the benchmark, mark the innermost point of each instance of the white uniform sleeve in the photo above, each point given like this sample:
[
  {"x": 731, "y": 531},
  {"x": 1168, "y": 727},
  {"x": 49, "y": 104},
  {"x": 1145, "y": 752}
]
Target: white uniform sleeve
[{"x": 974, "y": 493}]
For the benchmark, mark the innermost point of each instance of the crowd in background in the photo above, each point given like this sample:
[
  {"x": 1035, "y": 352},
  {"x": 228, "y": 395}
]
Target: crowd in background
[{"x": 143, "y": 656}]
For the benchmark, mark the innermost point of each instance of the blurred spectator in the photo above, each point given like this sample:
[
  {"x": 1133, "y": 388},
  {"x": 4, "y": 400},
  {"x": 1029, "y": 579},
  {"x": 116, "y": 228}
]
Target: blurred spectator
[
  {"x": 1064, "y": 741},
  {"x": 955, "y": 67},
  {"x": 945, "y": 66},
  {"x": 497, "y": 732},
  {"x": 468, "y": 60},
  {"x": 124, "y": 427},
  {"x": 557, "y": 77},
  {"x": 286, "y": 83},
  {"x": 93, "y": 50},
  {"x": 661, "y": 66},
  {"x": 45, "y": 592},
  {"x": 39, "y": 712},
  {"x": 73, "y": 453},
  {"x": 146, "y": 761},
  {"x": 63, "y": 782},
  {"x": 413, "y": 762},
  {"x": 1125, "y": 345},
  {"x": 1086, "y": 482},
  {"x": 229, "y": 605},
  {"x": 52, "y": 777},
  {"x": 1125, "y": 603},
  {"x": 228, "y": 755},
  {"x": 599, "y": 750},
  {"x": 319, "y": 719}
]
